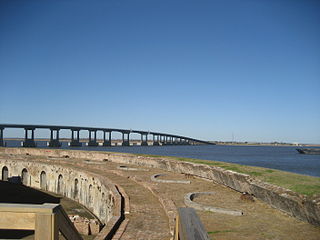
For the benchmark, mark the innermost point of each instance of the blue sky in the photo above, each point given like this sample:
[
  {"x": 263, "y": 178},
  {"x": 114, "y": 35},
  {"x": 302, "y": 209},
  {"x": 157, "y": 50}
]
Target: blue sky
[{"x": 205, "y": 69}]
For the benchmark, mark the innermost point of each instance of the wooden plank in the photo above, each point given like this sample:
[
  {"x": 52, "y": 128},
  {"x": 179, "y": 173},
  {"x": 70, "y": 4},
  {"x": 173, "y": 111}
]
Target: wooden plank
[
  {"x": 65, "y": 226},
  {"x": 28, "y": 208},
  {"x": 55, "y": 227},
  {"x": 190, "y": 227},
  {"x": 43, "y": 230},
  {"x": 13, "y": 220}
]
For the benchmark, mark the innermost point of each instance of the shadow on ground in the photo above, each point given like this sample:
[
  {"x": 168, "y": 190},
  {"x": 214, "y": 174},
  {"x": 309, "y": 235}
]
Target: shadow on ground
[{"x": 18, "y": 193}]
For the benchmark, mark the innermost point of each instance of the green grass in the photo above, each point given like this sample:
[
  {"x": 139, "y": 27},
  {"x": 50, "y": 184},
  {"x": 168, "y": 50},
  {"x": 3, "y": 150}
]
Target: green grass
[
  {"x": 303, "y": 184},
  {"x": 223, "y": 231}
]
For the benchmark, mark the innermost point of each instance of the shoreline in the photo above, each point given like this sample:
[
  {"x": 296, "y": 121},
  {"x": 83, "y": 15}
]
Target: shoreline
[
  {"x": 277, "y": 177},
  {"x": 273, "y": 157},
  {"x": 276, "y": 144}
]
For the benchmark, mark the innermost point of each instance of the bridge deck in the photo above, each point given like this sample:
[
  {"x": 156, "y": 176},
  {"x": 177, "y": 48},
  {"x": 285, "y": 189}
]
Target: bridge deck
[{"x": 78, "y": 128}]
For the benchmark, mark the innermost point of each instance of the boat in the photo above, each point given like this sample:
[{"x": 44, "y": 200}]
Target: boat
[{"x": 308, "y": 150}]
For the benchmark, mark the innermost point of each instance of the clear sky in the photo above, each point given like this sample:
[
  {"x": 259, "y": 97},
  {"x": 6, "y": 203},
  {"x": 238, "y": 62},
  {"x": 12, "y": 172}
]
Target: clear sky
[{"x": 205, "y": 69}]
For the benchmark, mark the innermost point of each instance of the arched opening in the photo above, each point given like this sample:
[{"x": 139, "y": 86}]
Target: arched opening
[
  {"x": 102, "y": 206},
  {"x": 5, "y": 174},
  {"x": 90, "y": 195},
  {"x": 60, "y": 185},
  {"x": 43, "y": 180},
  {"x": 76, "y": 189},
  {"x": 24, "y": 176}
]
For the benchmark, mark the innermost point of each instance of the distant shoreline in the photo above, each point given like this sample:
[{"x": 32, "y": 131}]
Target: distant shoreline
[
  {"x": 216, "y": 142},
  {"x": 269, "y": 144}
]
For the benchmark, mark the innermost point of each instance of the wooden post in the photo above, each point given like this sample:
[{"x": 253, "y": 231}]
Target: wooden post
[
  {"x": 46, "y": 227},
  {"x": 190, "y": 226},
  {"x": 46, "y": 220},
  {"x": 176, "y": 232}
]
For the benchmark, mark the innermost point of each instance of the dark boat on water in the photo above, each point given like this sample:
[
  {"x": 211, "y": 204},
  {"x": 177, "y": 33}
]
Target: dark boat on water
[{"x": 309, "y": 150}]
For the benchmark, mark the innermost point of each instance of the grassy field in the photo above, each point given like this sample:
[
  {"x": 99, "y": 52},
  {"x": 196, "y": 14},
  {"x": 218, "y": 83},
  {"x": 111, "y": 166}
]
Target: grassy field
[{"x": 303, "y": 184}]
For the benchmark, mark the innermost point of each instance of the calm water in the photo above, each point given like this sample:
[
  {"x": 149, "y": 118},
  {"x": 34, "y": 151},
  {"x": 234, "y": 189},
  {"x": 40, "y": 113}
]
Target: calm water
[{"x": 282, "y": 158}]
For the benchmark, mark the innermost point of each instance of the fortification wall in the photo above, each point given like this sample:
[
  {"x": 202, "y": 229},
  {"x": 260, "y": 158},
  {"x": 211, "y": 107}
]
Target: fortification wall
[
  {"x": 283, "y": 199},
  {"x": 96, "y": 193}
]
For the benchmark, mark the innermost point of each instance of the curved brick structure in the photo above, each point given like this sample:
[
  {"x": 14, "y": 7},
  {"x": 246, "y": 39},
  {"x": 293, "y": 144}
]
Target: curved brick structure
[
  {"x": 126, "y": 168},
  {"x": 95, "y": 192},
  {"x": 188, "y": 200},
  {"x": 154, "y": 178}
]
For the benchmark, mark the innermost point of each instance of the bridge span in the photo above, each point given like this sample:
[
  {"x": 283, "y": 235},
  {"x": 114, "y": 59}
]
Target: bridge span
[{"x": 158, "y": 139}]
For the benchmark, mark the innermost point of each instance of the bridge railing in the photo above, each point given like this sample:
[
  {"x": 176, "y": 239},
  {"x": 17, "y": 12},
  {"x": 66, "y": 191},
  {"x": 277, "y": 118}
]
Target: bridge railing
[
  {"x": 46, "y": 220},
  {"x": 189, "y": 226}
]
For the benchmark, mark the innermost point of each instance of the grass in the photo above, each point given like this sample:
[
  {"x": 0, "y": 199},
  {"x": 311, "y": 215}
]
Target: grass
[
  {"x": 303, "y": 184},
  {"x": 223, "y": 231}
]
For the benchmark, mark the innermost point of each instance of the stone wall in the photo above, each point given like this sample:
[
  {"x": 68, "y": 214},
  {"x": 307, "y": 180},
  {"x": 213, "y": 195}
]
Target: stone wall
[
  {"x": 283, "y": 199},
  {"x": 97, "y": 194}
]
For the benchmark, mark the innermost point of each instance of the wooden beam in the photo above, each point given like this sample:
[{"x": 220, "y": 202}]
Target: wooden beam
[
  {"x": 190, "y": 227},
  {"x": 65, "y": 226},
  {"x": 13, "y": 220},
  {"x": 46, "y": 219},
  {"x": 46, "y": 227}
]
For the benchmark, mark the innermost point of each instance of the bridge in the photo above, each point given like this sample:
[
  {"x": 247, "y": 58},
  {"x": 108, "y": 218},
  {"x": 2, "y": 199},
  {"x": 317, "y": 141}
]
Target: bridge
[{"x": 158, "y": 139}]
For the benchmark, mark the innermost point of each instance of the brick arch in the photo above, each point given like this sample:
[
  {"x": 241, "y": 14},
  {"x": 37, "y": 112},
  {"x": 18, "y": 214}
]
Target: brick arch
[
  {"x": 76, "y": 189},
  {"x": 25, "y": 176},
  {"x": 90, "y": 197},
  {"x": 4, "y": 173},
  {"x": 43, "y": 181},
  {"x": 60, "y": 184}
]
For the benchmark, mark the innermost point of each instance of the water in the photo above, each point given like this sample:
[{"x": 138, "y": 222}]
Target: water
[{"x": 284, "y": 158}]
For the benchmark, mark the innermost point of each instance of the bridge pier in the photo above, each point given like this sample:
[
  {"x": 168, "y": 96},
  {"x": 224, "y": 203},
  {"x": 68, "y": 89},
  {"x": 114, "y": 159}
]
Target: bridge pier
[
  {"x": 54, "y": 142},
  {"x": 92, "y": 142},
  {"x": 156, "y": 140},
  {"x": 125, "y": 142},
  {"x": 144, "y": 142},
  {"x": 160, "y": 140},
  {"x": 175, "y": 141},
  {"x": 75, "y": 142},
  {"x": 182, "y": 141},
  {"x": 2, "y": 143},
  {"x": 29, "y": 142},
  {"x": 168, "y": 140},
  {"x": 106, "y": 143},
  {"x": 163, "y": 140}
]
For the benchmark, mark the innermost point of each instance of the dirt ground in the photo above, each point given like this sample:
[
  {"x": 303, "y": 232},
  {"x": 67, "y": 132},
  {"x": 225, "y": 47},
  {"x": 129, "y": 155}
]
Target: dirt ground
[{"x": 259, "y": 221}]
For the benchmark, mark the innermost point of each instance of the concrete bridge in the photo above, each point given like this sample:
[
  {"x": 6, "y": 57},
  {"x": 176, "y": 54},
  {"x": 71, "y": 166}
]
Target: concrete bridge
[{"x": 157, "y": 138}]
